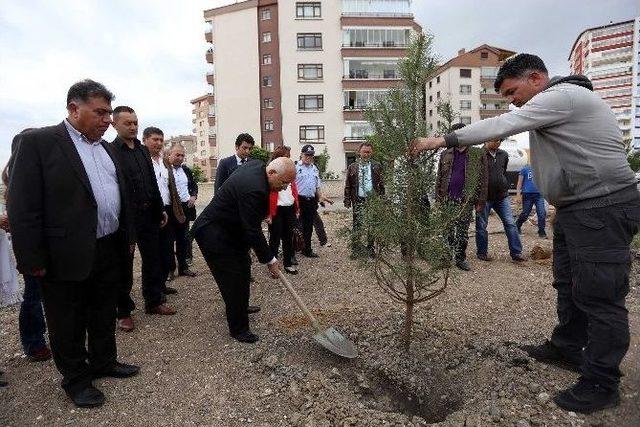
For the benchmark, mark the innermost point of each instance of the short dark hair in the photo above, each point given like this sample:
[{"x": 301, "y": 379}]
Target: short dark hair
[
  {"x": 457, "y": 126},
  {"x": 517, "y": 66},
  {"x": 85, "y": 89},
  {"x": 151, "y": 130},
  {"x": 245, "y": 137},
  {"x": 365, "y": 144},
  {"x": 122, "y": 109}
]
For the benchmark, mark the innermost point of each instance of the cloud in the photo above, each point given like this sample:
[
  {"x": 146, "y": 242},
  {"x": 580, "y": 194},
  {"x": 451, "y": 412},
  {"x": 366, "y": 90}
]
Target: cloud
[{"x": 150, "y": 53}]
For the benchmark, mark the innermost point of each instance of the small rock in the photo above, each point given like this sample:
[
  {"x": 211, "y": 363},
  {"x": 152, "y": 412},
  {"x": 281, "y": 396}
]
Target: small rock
[
  {"x": 543, "y": 398},
  {"x": 335, "y": 373},
  {"x": 266, "y": 392},
  {"x": 534, "y": 387},
  {"x": 538, "y": 253},
  {"x": 523, "y": 423},
  {"x": 295, "y": 417},
  {"x": 270, "y": 361},
  {"x": 494, "y": 412}
]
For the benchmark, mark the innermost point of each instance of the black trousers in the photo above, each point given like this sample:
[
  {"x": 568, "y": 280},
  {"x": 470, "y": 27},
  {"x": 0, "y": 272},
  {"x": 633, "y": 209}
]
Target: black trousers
[
  {"x": 232, "y": 272},
  {"x": 591, "y": 264},
  {"x": 356, "y": 244},
  {"x": 308, "y": 212},
  {"x": 180, "y": 232},
  {"x": 148, "y": 241},
  {"x": 318, "y": 226},
  {"x": 167, "y": 240},
  {"x": 85, "y": 311},
  {"x": 281, "y": 228},
  {"x": 458, "y": 234}
]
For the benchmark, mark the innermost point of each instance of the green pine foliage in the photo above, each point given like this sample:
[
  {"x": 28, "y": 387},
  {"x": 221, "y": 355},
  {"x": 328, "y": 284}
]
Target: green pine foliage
[{"x": 412, "y": 257}]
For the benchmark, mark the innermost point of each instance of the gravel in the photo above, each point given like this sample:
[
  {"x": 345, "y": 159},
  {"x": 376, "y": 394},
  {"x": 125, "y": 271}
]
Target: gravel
[{"x": 464, "y": 366}]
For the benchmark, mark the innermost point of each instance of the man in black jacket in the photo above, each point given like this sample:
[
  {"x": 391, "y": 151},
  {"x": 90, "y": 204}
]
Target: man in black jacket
[
  {"x": 188, "y": 193},
  {"x": 231, "y": 225},
  {"x": 149, "y": 216},
  {"x": 498, "y": 200},
  {"x": 244, "y": 144},
  {"x": 71, "y": 225}
]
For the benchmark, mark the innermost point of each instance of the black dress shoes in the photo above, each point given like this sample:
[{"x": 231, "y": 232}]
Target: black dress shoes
[
  {"x": 168, "y": 290},
  {"x": 253, "y": 309},
  {"x": 310, "y": 254},
  {"x": 119, "y": 370},
  {"x": 247, "y": 337},
  {"x": 89, "y": 397}
]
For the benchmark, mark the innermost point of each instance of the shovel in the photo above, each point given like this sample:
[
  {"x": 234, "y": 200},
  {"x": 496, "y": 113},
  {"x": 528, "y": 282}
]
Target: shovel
[{"x": 330, "y": 338}]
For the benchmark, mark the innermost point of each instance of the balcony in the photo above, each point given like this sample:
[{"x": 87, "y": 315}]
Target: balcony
[
  {"x": 492, "y": 112},
  {"x": 348, "y": 139},
  {"x": 487, "y": 82},
  {"x": 209, "y": 56},
  {"x": 208, "y": 36},
  {"x": 210, "y": 77},
  {"x": 491, "y": 96},
  {"x": 212, "y": 141},
  {"x": 212, "y": 120},
  {"x": 377, "y": 8},
  {"x": 355, "y": 69}
]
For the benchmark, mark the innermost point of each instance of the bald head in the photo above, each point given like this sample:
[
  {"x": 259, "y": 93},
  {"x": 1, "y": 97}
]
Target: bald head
[
  {"x": 280, "y": 172},
  {"x": 176, "y": 155}
]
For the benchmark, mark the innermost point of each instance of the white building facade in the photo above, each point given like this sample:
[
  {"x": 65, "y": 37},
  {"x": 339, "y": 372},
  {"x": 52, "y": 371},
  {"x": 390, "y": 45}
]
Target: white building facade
[{"x": 294, "y": 72}]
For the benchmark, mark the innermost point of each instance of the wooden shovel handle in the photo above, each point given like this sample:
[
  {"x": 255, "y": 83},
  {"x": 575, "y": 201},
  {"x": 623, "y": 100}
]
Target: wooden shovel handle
[{"x": 301, "y": 304}]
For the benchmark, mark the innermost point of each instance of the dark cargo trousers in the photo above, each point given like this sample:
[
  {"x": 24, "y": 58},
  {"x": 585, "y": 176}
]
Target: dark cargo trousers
[{"x": 591, "y": 265}]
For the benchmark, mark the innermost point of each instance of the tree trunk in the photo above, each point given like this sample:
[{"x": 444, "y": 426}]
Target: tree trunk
[{"x": 408, "y": 326}]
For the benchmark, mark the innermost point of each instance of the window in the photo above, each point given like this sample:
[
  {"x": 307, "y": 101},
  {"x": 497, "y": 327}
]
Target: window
[
  {"x": 266, "y": 59},
  {"x": 465, "y": 89},
  {"x": 267, "y": 103},
  {"x": 430, "y": 98},
  {"x": 268, "y": 125},
  {"x": 430, "y": 84},
  {"x": 310, "y": 71},
  {"x": 266, "y": 37},
  {"x": 308, "y": 10},
  {"x": 310, "y": 102},
  {"x": 484, "y": 55},
  {"x": 438, "y": 79},
  {"x": 465, "y": 120},
  {"x": 465, "y": 105},
  {"x": 430, "y": 113},
  {"x": 361, "y": 99},
  {"x": 267, "y": 81},
  {"x": 203, "y": 153},
  {"x": 309, "y": 41},
  {"x": 465, "y": 73},
  {"x": 438, "y": 95},
  {"x": 312, "y": 133},
  {"x": 265, "y": 14},
  {"x": 376, "y": 37}
]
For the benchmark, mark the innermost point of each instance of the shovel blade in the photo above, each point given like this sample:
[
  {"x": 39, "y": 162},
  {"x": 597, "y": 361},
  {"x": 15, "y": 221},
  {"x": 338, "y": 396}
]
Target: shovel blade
[{"x": 336, "y": 343}]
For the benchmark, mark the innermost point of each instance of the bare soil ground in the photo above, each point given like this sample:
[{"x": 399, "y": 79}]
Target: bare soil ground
[{"x": 463, "y": 369}]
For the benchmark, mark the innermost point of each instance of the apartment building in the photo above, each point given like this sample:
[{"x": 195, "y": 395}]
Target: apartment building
[
  {"x": 204, "y": 128},
  {"x": 466, "y": 81},
  {"x": 190, "y": 144},
  {"x": 302, "y": 72},
  {"x": 609, "y": 56}
]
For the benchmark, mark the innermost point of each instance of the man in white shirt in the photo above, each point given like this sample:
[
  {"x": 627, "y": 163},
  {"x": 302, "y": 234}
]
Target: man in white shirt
[
  {"x": 153, "y": 139},
  {"x": 187, "y": 191}
]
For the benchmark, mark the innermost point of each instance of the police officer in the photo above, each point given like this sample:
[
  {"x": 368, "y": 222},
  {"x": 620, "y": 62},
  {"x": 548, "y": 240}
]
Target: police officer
[{"x": 308, "y": 183}]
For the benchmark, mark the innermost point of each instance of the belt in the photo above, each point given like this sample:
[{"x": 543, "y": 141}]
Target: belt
[{"x": 307, "y": 197}]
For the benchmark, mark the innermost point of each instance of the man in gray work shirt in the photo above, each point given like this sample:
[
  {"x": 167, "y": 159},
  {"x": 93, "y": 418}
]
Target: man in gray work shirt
[{"x": 579, "y": 163}]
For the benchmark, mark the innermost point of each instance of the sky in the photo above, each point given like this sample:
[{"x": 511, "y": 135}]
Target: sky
[{"x": 150, "y": 53}]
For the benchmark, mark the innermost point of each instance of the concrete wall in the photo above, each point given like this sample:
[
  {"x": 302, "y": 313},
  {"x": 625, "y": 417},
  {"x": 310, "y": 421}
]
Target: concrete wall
[{"x": 236, "y": 78}]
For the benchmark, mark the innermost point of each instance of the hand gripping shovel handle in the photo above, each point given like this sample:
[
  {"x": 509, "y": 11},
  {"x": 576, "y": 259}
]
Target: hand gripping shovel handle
[{"x": 301, "y": 304}]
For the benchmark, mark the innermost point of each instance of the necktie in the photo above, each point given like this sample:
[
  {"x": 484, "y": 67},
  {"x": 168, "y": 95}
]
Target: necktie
[{"x": 242, "y": 161}]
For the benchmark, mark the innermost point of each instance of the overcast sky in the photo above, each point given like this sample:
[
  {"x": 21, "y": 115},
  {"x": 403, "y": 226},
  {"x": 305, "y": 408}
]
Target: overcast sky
[{"x": 150, "y": 53}]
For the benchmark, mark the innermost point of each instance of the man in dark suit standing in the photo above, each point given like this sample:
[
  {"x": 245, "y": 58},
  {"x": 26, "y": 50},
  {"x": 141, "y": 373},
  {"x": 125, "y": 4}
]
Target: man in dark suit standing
[
  {"x": 149, "y": 217},
  {"x": 188, "y": 194},
  {"x": 364, "y": 178},
  {"x": 244, "y": 144},
  {"x": 71, "y": 226},
  {"x": 231, "y": 225}
]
